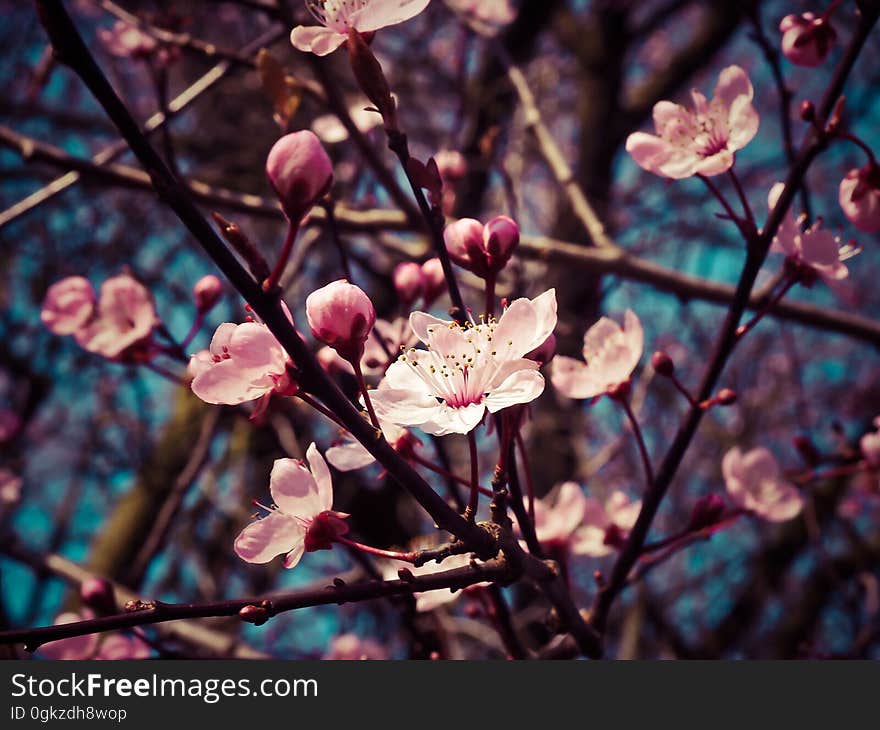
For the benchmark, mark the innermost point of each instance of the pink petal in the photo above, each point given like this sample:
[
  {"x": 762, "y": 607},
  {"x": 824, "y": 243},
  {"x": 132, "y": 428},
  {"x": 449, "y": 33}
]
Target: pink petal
[
  {"x": 422, "y": 322},
  {"x": 316, "y": 39},
  {"x": 272, "y": 535},
  {"x": 573, "y": 378},
  {"x": 820, "y": 248},
  {"x": 742, "y": 123},
  {"x": 382, "y": 13},
  {"x": 295, "y": 490},
  {"x": 322, "y": 477},
  {"x": 515, "y": 332},
  {"x": 455, "y": 420},
  {"x": 590, "y": 540},
  {"x": 294, "y": 556},
  {"x": 225, "y": 382},
  {"x": 715, "y": 164},
  {"x": 522, "y": 386},
  {"x": 405, "y": 407},
  {"x": 733, "y": 82},
  {"x": 349, "y": 456}
]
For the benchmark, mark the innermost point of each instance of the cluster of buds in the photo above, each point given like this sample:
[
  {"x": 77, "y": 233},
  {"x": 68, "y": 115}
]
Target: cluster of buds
[
  {"x": 413, "y": 281},
  {"x": 482, "y": 249}
]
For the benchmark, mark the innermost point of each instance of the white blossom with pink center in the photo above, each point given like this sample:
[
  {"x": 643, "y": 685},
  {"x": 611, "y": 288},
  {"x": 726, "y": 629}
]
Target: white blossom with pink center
[
  {"x": 559, "y": 515},
  {"x": 466, "y": 370},
  {"x": 611, "y": 353},
  {"x": 701, "y": 141},
  {"x": 337, "y": 17},
  {"x": 754, "y": 482},
  {"x": 815, "y": 249},
  {"x": 617, "y": 513},
  {"x": 300, "y": 518}
]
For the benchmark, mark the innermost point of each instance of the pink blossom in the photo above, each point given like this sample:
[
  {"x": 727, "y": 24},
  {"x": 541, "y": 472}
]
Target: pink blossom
[
  {"x": 93, "y": 646},
  {"x": 341, "y": 315},
  {"x": 10, "y": 486},
  {"x": 207, "y": 292},
  {"x": 350, "y": 647},
  {"x": 407, "y": 279},
  {"x": 605, "y": 524},
  {"x": 755, "y": 484},
  {"x": 68, "y": 305},
  {"x": 337, "y": 17},
  {"x": 814, "y": 251},
  {"x": 559, "y": 515},
  {"x": 332, "y": 131},
  {"x": 870, "y": 445},
  {"x": 466, "y": 370},
  {"x": 611, "y": 353},
  {"x": 127, "y": 41},
  {"x": 243, "y": 363},
  {"x": 452, "y": 167},
  {"x": 484, "y": 250},
  {"x": 349, "y": 454},
  {"x": 859, "y": 197},
  {"x": 806, "y": 39},
  {"x": 300, "y": 520},
  {"x": 701, "y": 141},
  {"x": 300, "y": 172},
  {"x": 429, "y": 600},
  {"x": 124, "y": 320},
  {"x": 487, "y": 15}
]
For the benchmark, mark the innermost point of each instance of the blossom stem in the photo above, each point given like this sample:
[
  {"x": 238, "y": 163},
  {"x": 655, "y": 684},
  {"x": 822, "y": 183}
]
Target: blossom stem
[
  {"x": 408, "y": 557},
  {"x": 474, "y": 501},
  {"x": 320, "y": 407},
  {"x": 193, "y": 331},
  {"x": 640, "y": 440},
  {"x": 679, "y": 386},
  {"x": 721, "y": 199},
  {"x": 850, "y": 137},
  {"x": 490, "y": 295},
  {"x": 743, "y": 329},
  {"x": 421, "y": 461},
  {"x": 272, "y": 281},
  {"x": 688, "y": 534},
  {"x": 359, "y": 374},
  {"x": 330, "y": 209},
  {"x": 527, "y": 470},
  {"x": 814, "y": 476},
  {"x": 747, "y": 209}
]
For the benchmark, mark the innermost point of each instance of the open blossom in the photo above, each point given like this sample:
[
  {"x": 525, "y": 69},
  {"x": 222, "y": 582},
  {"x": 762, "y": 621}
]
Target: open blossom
[
  {"x": 68, "y": 305},
  {"x": 349, "y": 454},
  {"x": 337, "y": 17},
  {"x": 605, "y": 524},
  {"x": 815, "y": 251},
  {"x": 243, "y": 363},
  {"x": 557, "y": 522},
  {"x": 93, "y": 646},
  {"x": 466, "y": 370},
  {"x": 123, "y": 321},
  {"x": 300, "y": 172},
  {"x": 342, "y": 316},
  {"x": 351, "y": 647},
  {"x": 300, "y": 520},
  {"x": 491, "y": 14},
  {"x": 701, "y": 141},
  {"x": 870, "y": 445},
  {"x": 754, "y": 483},
  {"x": 806, "y": 39},
  {"x": 859, "y": 197},
  {"x": 611, "y": 353}
]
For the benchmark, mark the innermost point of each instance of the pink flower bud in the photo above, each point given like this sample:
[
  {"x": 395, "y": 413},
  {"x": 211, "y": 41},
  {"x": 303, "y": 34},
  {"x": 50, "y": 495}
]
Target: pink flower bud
[
  {"x": 300, "y": 172},
  {"x": 433, "y": 281},
  {"x": 662, "y": 364},
  {"x": 484, "y": 250},
  {"x": 501, "y": 236},
  {"x": 860, "y": 197},
  {"x": 68, "y": 305},
  {"x": 806, "y": 39},
  {"x": 97, "y": 594},
  {"x": 207, "y": 292},
  {"x": 341, "y": 315},
  {"x": 408, "y": 282}
]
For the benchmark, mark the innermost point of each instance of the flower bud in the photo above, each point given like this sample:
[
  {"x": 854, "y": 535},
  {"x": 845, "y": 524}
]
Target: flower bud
[
  {"x": 859, "y": 197},
  {"x": 662, "y": 364},
  {"x": 97, "y": 594},
  {"x": 807, "y": 111},
  {"x": 300, "y": 172},
  {"x": 451, "y": 164},
  {"x": 483, "y": 250},
  {"x": 408, "y": 282},
  {"x": 726, "y": 397},
  {"x": 68, "y": 305},
  {"x": 207, "y": 292},
  {"x": 501, "y": 236},
  {"x": 341, "y": 315},
  {"x": 806, "y": 39},
  {"x": 433, "y": 281}
]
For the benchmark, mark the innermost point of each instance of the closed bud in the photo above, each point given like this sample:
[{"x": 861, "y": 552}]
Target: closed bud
[
  {"x": 300, "y": 172},
  {"x": 806, "y": 39},
  {"x": 483, "y": 250},
  {"x": 726, "y": 397},
  {"x": 433, "y": 281},
  {"x": 97, "y": 594},
  {"x": 407, "y": 279},
  {"x": 807, "y": 111},
  {"x": 207, "y": 292},
  {"x": 859, "y": 197},
  {"x": 662, "y": 364},
  {"x": 501, "y": 236},
  {"x": 341, "y": 315}
]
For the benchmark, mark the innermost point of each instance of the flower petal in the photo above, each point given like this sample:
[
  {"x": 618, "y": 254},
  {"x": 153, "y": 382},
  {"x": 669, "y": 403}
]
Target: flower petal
[
  {"x": 382, "y": 13},
  {"x": 321, "y": 473},
  {"x": 316, "y": 39},
  {"x": 523, "y": 386},
  {"x": 574, "y": 379},
  {"x": 294, "y": 489},
  {"x": 272, "y": 535}
]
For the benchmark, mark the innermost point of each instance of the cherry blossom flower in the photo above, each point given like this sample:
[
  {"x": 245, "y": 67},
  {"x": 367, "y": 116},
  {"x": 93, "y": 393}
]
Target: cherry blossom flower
[
  {"x": 300, "y": 520},
  {"x": 605, "y": 524},
  {"x": 337, "y": 17},
  {"x": 859, "y": 197},
  {"x": 351, "y": 647},
  {"x": 123, "y": 322},
  {"x": 466, "y": 370},
  {"x": 243, "y": 363},
  {"x": 429, "y": 600},
  {"x": 870, "y": 445},
  {"x": 806, "y": 39},
  {"x": 486, "y": 15},
  {"x": 611, "y": 353},
  {"x": 342, "y": 316},
  {"x": 755, "y": 484},
  {"x": 127, "y": 40},
  {"x": 557, "y": 520},
  {"x": 349, "y": 454},
  {"x": 300, "y": 172},
  {"x": 814, "y": 251},
  {"x": 701, "y": 141},
  {"x": 68, "y": 305},
  {"x": 93, "y": 646}
]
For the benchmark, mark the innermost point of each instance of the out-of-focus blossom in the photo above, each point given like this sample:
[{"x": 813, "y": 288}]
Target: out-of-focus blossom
[
  {"x": 429, "y": 600},
  {"x": 93, "y": 646},
  {"x": 342, "y": 316},
  {"x": 754, "y": 482},
  {"x": 123, "y": 321},
  {"x": 331, "y": 131},
  {"x": 301, "y": 518},
  {"x": 556, "y": 522},
  {"x": 859, "y": 197},
  {"x": 452, "y": 167},
  {"x": 806, "y": 39},
  {"x": 701, "y": 141},
  {"x": 207, "y": 292},
  {"x": 434, "y": 281},
  {"x": 68, "y": 305},
  {"x": 605, "y": 524},
  {"x": 127, "y": 41},
  {"x": 386, "y": 337},
  {"x": 814, "y": 251},
  {"x": 611, "y": 353},
  {"x": 349, "y": 454},
  {"x": 466, "y": 370},
  {"x": 10, "y": 486},
  {"x": 243, "y": 363},
  {"x": 870, "y": 445},
  {"x": 351, "y": 647},
  {"x": 337, "y": 17},
  {"x": 407, "y": 279},
  {"x": 300, "y": 172},
  {"x": 486, "y": 15},
  {"x": 482, "y": 249}
]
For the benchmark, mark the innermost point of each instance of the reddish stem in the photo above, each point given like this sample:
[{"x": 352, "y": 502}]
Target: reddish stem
[
  {"x": 744, "y": 329},
  {"x": 474, "y": 501},
  {"x": 273, "y": 279},
  {"x": 408, "y": 557},
  {"x": 637, "y": 432},
  {"x": 356, "y": 364}
]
